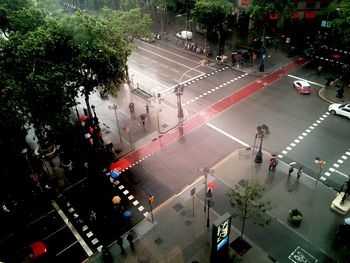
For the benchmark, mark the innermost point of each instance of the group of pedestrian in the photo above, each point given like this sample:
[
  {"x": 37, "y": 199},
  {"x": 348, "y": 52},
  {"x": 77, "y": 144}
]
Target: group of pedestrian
[
  {"x": 291, "y": 170},
  {"x": 120, "y": 242},
  {"x": 273, "y": 162}
]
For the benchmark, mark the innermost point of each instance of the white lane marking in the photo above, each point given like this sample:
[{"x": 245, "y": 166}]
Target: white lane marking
[
  {"x": 304, "y": 134},
  {"x": 167, "y": 51},
  {"x": 164, "y": 75},
  {"x": 220, "y": 86},
  {"x": 342, "y": 174},
  {"x": 173, "y": 61},
  {"x": 172, "y": 69},
  {"x": 187, "y": 187},
  {"x": 228, "y": 135},
  {"x": 171, "y": 89},
  {"x": 143, "y": 75},
  {"x": 295, "y": 77},
  {"x": 72, "y": 229}
]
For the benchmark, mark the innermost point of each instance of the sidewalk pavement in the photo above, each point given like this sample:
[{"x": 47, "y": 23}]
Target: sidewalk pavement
[
  {"x": 329, "y": 94},
  {"x": 177, "y": 236},
  {"x": 161, "y": 118}
]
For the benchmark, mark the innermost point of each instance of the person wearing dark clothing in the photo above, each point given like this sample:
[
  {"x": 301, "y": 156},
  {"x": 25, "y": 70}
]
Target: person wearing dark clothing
[
  {"x": 274, "y": 165},
  {"x": 130, "y": 238},
  {"x": 299, "y": 173},
  {"x": 290, "y": 170},
  {"x": 120, "y": 244},
  {"x": 340, "y": 92},
  {"x": 346, "y": 191}
]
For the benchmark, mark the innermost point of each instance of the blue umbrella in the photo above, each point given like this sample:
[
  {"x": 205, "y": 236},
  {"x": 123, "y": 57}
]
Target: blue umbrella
[{"x": 114, "y": 174}]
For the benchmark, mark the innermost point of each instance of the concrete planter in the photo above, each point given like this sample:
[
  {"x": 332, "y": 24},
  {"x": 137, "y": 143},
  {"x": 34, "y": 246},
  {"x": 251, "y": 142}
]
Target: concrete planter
[{"x": 295, "y": 217}]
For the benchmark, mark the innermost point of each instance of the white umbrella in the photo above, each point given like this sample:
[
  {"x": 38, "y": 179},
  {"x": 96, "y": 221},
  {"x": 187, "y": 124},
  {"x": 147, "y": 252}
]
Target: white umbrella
[
  {"x": 347, "y": 221},
  {"x": 292, "y": 164}
]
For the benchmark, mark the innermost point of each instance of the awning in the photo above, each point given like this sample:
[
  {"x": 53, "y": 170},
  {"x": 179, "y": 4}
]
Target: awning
[
  {"x": 294, "y": 15},
  {"x": 274, "y": 16},
  {"x": 309, "y": 15}
]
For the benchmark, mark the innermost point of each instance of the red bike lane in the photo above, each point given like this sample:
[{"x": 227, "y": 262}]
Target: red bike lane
[{"x": 202, "y": 117}]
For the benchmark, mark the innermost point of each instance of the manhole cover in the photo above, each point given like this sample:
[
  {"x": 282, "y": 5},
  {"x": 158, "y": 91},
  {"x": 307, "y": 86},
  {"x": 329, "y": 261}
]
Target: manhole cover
[
  {"x": 178, "y": 207},
  {"x": 183, "y": 213},
  {"x": 158, "y": 240},
  {"x": 242, "y": 183},
  {"x": 165, "y": 125},
  {"x": 188, "y": 222}
]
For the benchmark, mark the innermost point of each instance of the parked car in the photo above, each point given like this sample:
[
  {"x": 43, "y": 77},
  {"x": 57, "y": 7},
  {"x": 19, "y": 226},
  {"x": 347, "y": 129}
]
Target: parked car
[
  {"x": 302, "y": 86},
  {"x": 340, "y": 109},
  {"x": 185, "y": 35}
]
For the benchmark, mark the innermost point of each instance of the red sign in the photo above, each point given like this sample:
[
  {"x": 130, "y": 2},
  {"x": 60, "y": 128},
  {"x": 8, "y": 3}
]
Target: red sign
[{"x": 309, "y": 15}]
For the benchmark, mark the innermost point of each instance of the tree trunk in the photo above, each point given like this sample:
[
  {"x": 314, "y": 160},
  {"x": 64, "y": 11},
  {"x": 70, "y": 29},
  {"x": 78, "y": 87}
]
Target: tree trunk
[
  {"x": 87, "y": 102},
  {"x": 244, "y": 219}
]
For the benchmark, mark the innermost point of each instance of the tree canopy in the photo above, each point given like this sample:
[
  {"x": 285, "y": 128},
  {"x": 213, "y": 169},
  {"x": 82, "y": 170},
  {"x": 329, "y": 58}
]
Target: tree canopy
[
  {"x": 342, "y": 18},
  {"x": 211, "y": 14},
  {"x": 260, "y": 10},
  {"x": 246, "y": 206},
  {"x": 46, "y": 61}
]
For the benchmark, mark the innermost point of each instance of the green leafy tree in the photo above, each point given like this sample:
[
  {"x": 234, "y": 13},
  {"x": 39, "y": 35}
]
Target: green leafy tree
[
  {"x": 9, "y": 9},
  {"x": 246, "y": 206},
  {"x": 100, "y": 52},
  {"x": 210, "y": 15},
  {"x": 38, "y": 71},
  {"x": 260, "y": 10},
  {"x": 50, "y": 6},
  {"x": 130, "y": 23},
  {"x": 160, "y": 7},
  {"x": 342, "y": 19}
]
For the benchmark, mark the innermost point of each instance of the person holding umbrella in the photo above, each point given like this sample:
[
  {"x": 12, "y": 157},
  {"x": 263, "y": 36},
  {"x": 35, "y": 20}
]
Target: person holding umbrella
[{"x": 291, "y": 168}]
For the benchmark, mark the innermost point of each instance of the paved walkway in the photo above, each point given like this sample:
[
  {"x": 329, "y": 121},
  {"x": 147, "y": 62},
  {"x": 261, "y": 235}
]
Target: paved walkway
[
  {"x": 177, "y": 236},
  {"x": 179, "y": 233}
]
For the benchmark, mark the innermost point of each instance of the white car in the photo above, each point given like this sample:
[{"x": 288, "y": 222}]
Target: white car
[
  {"x": 340, "y": 109},
  {"x": 185, "y": 35},
  {"x": 302, "y": 86}
]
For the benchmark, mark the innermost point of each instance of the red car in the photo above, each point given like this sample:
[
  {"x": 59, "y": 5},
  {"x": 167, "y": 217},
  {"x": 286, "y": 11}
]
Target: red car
[{"x": 302, "y": 86}]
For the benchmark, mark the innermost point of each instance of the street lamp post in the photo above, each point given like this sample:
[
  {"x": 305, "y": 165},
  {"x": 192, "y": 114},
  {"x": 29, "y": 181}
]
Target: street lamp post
[
  {"x": 209, "y": 195},
  {"x": 158, "y": 115},
  {"x": 33, "y": 175},
  {"x": 179, "y": 90},
  {"x": 93, "y": 109},
  {"x": 205, "y": 172},
  {"x": 115, "y": 107},
  {"x": 262, "y": 132},
  {"x": 321, "y": 164}
]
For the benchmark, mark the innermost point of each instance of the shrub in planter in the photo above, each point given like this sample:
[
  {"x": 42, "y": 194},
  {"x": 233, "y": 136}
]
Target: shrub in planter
[{"x": 295, "y": 216}]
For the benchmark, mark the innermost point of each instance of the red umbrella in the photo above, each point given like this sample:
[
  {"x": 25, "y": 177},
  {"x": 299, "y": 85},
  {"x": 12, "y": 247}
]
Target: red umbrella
[
  {"x": 83, "y": 118},
  {"x": 211, "y": 185}
]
